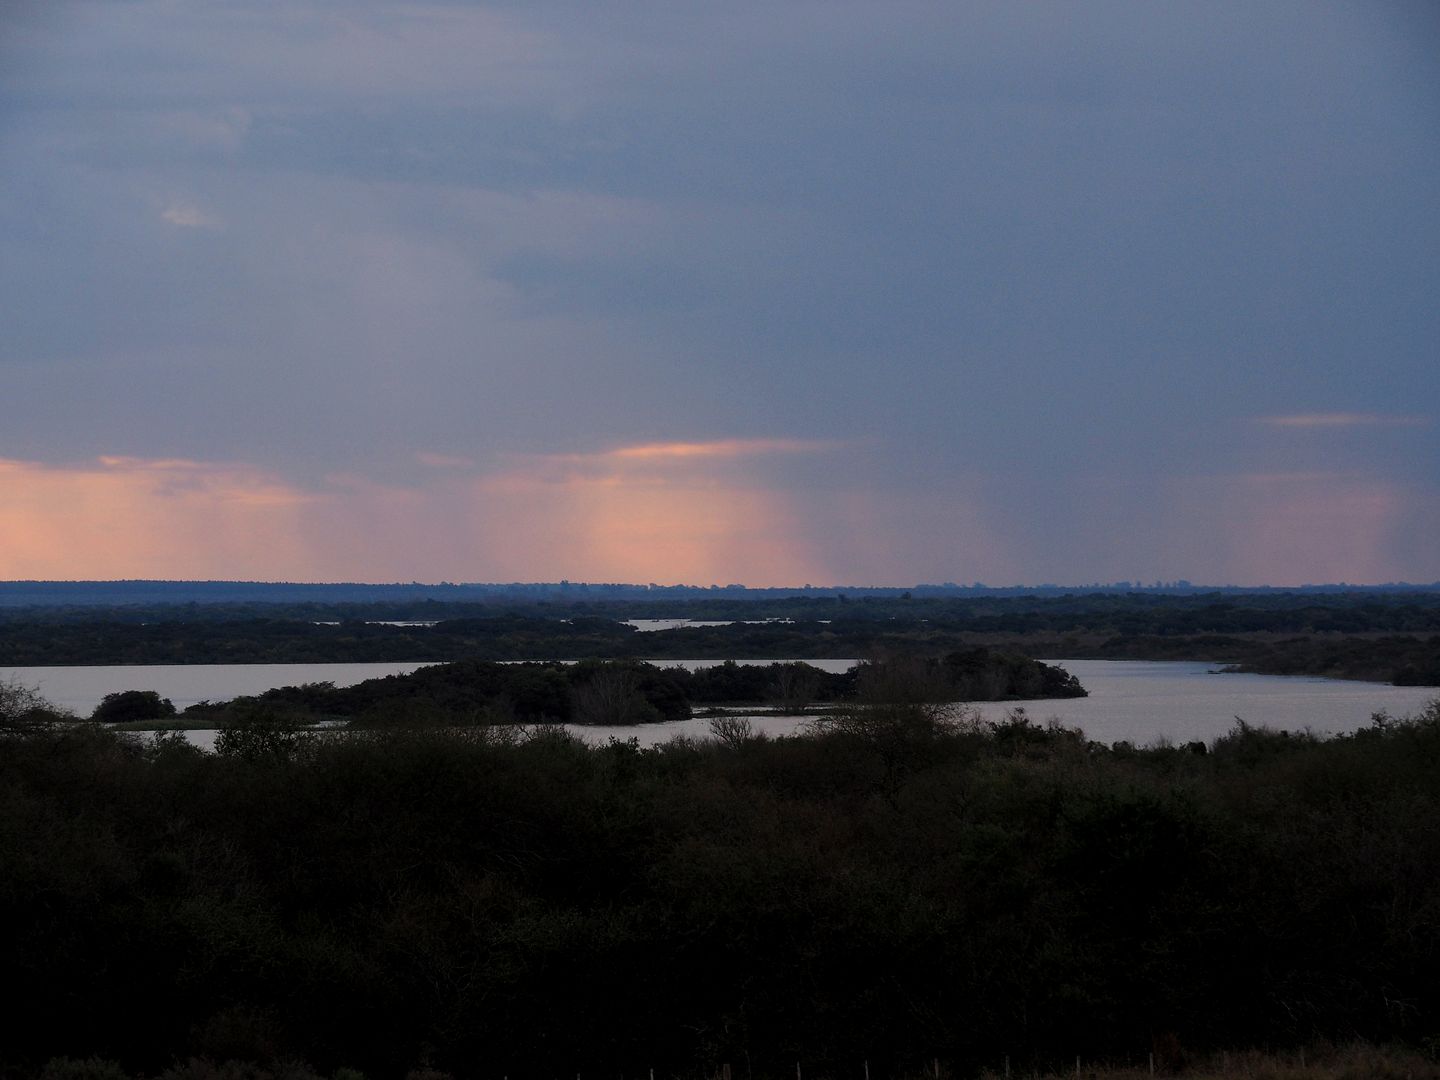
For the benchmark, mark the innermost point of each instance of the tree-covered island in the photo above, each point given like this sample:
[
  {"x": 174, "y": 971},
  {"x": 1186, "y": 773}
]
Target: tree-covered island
[{"x": 608, "y": 692}]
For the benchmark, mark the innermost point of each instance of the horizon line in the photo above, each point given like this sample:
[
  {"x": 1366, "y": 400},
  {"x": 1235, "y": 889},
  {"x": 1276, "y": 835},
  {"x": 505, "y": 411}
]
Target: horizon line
[{"x": 1180, "y": 584}]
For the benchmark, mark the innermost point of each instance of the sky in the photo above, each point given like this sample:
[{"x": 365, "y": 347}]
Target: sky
[{"x": 1009, "y": 291}]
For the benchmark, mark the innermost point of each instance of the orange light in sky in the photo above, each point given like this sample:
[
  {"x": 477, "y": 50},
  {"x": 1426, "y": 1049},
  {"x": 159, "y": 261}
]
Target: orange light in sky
[
  {"x": 129, "y": 518},
  {"x": 1341, "y": 420},
  {"x": 654, "y": 512},
  {"x": 1289, "y": 528},
  {"x": 720, "y": 448}
]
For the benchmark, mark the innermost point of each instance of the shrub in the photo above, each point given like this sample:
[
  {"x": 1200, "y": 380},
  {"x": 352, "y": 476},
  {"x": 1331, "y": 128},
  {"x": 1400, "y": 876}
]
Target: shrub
[
  {"x": 128, "y": 706},
  {"x": 23, "y": 709}
]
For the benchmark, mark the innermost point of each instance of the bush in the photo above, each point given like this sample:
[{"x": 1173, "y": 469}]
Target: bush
[
  {"x": 129, "y": 706},
  {"x": 23, "y": 709},
  {"x": 260, "y": 734}
]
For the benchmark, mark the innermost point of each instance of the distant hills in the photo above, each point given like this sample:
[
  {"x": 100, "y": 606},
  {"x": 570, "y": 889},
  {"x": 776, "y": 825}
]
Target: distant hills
[{"x": 137, "y": 592}]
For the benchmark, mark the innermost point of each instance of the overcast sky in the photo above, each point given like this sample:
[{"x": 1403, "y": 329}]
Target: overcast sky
[{"x": 772, "y": 293}]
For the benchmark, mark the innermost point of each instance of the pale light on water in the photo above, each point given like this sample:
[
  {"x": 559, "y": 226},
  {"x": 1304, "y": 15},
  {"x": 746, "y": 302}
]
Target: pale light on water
[
  {"x": 651, "y": 625},
  {"x": 1141, "y": 701},
  {"x": 1135, "y": 700},
  {"x": 80, "y": 689}
]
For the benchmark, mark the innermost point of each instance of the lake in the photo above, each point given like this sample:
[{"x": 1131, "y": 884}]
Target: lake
[
  {"x": 80, "y": 689},
  {"x": 1135, "y": 700},
  {"x": 1140, "y": 701}
]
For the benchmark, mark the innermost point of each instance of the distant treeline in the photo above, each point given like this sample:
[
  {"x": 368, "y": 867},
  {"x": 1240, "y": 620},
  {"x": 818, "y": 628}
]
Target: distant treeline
[
  {"x": 204, "y": 593},
  {"x": 1386, "y": 642},
  {"x": 1036, "y": 611},
  {"x": 619, "y": 692},
  {"x": 900, "y": 892}
]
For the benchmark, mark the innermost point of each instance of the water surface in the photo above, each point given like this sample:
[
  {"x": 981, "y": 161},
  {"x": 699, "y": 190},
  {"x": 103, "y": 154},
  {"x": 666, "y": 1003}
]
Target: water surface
[
  {"x": 81, "y": 688},
  {"x": 1142, "y": 701},
  {"x": 1139, "y": 701}
]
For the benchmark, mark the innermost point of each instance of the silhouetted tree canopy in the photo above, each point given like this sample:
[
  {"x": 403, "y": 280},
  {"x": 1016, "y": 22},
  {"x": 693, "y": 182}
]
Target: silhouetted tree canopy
[
  {"x": 128, "y": 706},
  {"x": 912, "y": 885}
]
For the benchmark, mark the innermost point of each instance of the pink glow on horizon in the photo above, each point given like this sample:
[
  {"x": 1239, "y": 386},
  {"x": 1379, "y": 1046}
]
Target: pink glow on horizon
[
  {"x": 611, "y": 529},
  {"x": 126, "y": 517},
  {"x": 1341, "y": 420},
  {"x": 1292, "y": 529},
  {"x": 678, "y": 518},
  {"x": 169, "y": 518},
  {"x": 647, "y": 513},
  {"x": 719, "y": 448}
]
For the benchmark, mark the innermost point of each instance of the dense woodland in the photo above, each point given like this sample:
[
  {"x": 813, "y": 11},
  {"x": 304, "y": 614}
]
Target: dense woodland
[
  {"x": 898, "y": 889},
  {"x": 1387, "y": 637}
]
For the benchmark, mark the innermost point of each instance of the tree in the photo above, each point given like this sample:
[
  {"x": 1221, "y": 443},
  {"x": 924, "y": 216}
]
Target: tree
[
  {"x": 23, "y": 709},
  {"x": 794, "y": 686},
  {"x": 612, "y": 696},
  {"x": 901, "y": 710},
  {"x": 131, "y": 705},
  {"x": 261, "y": 734}
]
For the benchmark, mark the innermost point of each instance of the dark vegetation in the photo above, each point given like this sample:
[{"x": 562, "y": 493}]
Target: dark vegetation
[
  {"x": 900, "y": 888},
  {"x": 1042, "y": 610},
  {"x": 23, "y": 709},
  {"x": 132, "y": 706},
  {"x": 1405, "y": 661},
  {"x": 1388, "y": 637},
  {"x": 620, "y": 692}
]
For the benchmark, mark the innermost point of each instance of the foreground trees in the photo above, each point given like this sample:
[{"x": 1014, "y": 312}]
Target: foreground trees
[
  {"x": 23, "y": 709},
  {"x": 519, "y": 905}
]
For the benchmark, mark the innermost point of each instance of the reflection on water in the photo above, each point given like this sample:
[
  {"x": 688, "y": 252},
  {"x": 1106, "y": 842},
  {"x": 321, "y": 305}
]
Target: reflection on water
[
  {"x": 1135, "y": 700},
  {"x": 1141, "y": 701},
  {"x": 80, "y": 689},
  {"x": 650, "y": 625}
]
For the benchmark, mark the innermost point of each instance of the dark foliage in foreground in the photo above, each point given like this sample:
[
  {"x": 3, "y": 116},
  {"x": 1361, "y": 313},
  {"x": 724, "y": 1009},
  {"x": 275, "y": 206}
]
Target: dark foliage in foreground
[{"x": 897, "y": 889}]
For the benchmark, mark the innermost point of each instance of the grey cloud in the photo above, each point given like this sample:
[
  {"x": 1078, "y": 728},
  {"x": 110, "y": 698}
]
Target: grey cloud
[{"x": 1036, "y": 241}]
